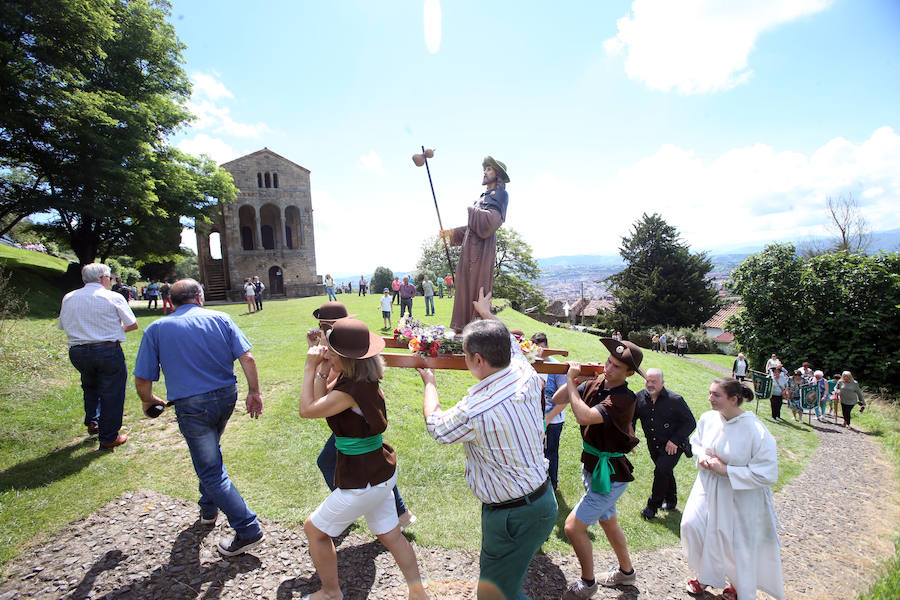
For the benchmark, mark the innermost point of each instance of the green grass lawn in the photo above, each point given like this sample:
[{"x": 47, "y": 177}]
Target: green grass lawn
[
  {"x": 51, "y": 475},
  {"x": 36, "y": 277},
  {"x": 723, "y": 360}
]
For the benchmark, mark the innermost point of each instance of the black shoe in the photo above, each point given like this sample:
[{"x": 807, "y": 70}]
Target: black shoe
[
  {"x": 234, "y": 546},
  {"x": 648, "y": 514}
]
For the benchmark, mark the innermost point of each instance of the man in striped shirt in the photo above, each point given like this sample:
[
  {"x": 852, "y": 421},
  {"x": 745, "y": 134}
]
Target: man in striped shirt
[{"x": 501, "y": 425}]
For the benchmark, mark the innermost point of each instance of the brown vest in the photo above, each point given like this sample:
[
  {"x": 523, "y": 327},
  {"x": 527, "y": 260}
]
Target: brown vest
[
  {"x": 615, "y": 433},
  {"x": 358, "y": 471}
]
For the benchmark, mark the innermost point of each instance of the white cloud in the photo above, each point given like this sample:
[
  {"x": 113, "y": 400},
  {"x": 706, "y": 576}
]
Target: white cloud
[
  {"x": 750, "y": 194},
  {"x": 202, "y": 143},
  {"x": 432, "y": 18},
  {"x": 207, "y": 85},
  {"x": 371, "y": 162},
  {"x": 698, "y": 46}
]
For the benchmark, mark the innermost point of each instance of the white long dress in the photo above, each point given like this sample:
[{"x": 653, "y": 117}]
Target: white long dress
[{"x": 729, "y": 525}]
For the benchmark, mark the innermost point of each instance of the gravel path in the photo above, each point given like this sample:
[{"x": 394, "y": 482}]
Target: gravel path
[{"x": 838, "y": 517}]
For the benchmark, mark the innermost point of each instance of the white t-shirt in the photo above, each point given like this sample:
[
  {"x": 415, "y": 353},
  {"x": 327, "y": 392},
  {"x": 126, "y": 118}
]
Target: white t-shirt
[
  {"x": 386, "y": 304},
  {"x": 249, "y": 289}
]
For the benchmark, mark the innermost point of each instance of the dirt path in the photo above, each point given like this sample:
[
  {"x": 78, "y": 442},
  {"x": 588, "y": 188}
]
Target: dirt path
[{"x": 838, "y": 517}]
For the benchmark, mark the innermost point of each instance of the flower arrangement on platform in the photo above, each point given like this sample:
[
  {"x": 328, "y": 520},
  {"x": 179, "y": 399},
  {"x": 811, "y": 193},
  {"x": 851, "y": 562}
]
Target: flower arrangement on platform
[
  {"x": 531, "y": 350},
  {"x": 427, "y": 341}
]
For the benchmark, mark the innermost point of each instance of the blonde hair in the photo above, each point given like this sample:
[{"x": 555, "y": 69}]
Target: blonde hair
[{"x": 362, "y": 369}]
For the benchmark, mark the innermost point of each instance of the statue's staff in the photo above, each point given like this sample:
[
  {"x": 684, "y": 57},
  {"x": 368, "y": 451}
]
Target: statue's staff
[{"x": 422, "y": 159}]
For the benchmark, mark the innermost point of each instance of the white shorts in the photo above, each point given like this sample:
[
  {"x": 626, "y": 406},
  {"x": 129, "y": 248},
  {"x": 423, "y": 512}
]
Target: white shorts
[{"x": 343, "y": 507}]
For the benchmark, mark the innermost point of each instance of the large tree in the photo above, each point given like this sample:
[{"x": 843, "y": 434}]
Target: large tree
[
  {"x": 85, "y": 133},
  {"x": 515, "y": 269},
  {"x": 662, "y": 283},
  {"x": 840, "y": 311}
]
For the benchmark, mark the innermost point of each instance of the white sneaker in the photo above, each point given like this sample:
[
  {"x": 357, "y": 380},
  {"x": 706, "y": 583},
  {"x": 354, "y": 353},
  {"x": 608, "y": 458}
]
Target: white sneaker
[
  {"x": 617, "y": 577},
  {"x": 579, "y": 590}
]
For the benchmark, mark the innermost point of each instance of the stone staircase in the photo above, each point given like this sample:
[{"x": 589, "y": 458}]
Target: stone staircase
[{"x": 215, "y": 280}]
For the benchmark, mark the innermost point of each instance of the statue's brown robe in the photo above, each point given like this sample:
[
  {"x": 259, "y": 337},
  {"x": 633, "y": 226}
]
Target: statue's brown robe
[{"x": 476, "y": 264}]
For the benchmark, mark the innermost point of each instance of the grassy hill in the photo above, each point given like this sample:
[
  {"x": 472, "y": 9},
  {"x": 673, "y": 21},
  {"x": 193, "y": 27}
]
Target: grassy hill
[{"x": 38, "y": 278}]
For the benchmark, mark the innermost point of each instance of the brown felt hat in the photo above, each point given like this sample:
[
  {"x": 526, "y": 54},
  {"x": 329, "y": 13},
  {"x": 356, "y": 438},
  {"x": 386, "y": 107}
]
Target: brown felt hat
[
  {"x": 331, "y": 312},
  {"x": 351, "y": 338},
  {"x": 627, "y": 352},
  {"x": 499, "y": 167}
]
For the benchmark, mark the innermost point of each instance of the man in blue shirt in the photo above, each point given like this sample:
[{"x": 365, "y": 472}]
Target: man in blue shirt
[{"x": 196, "y": 349}]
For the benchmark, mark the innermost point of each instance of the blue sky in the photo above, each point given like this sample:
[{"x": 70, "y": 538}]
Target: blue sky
[{"x": 734, "y": 120}]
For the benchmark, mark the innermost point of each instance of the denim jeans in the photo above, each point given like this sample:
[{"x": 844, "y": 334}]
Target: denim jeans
[
  {"x": 103, "y": 376},
  {"x": 202, "y": 419},
  {"x": 331, "y": 296},
  {"x": 327, "y": 462},
  {"x": 551, "y": 452},
  {"x": 429, "y": 305},
  {"x": 405, "y": 305}
]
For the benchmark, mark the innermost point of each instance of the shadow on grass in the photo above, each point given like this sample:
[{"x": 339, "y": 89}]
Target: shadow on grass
[
  {"x": 54, "y": 466},
  {"x": 356, "y": 572},
  {"x": 181, "y": 578}
]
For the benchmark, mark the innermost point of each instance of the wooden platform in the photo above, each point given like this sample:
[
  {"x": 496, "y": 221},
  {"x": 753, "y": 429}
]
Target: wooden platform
[
  {"x": 457, "y": 362},
  {"x": 390, "y": 342}
]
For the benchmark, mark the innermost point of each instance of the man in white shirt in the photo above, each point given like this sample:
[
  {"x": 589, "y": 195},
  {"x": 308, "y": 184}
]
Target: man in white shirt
[
  {"x": 501, "y": 424},
  {"x": 95, "y": 320}
]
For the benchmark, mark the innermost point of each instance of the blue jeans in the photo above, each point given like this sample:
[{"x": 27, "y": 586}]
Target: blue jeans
[
  {"x": 405, "y": 305},
  {"x": 330, "y": 290},
  {"x": 202, "y": 419},
  {"x": 551, "y": 452},
  {"x": 103, "y": 376},
  {"x": 429, "y": 305},
  {"x": 327, "y": 462}
]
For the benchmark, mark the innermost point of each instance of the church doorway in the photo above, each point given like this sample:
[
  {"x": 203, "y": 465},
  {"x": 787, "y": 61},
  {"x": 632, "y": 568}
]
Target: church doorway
[{"x": 276, "y": 281}]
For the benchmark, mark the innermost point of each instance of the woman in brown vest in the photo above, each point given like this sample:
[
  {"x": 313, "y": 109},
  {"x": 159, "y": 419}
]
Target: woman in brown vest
[{"x": 366, "y": 470}]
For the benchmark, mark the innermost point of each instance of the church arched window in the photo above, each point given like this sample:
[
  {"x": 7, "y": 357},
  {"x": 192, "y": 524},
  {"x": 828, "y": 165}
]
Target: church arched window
[
  {"x": 274, "y": 180},
  {"x": 259, "y": 180},
  {"x": 268, "y": 180}
]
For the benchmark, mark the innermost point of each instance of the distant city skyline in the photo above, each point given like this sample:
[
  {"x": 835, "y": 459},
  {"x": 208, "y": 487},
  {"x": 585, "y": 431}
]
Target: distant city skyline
[{"x": 735, "y": 121}]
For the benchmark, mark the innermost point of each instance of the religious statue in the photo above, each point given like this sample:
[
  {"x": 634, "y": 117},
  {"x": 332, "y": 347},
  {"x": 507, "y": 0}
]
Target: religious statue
[{"x": 479, "y": 243}]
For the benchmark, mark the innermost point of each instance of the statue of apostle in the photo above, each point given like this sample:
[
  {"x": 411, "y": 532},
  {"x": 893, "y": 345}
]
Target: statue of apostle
[{"x": 479, "y": 243}]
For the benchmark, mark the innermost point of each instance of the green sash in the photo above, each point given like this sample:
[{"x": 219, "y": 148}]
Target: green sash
[
  {"x": 600, "y": 478},
  {"x": 349, "y": 445}
]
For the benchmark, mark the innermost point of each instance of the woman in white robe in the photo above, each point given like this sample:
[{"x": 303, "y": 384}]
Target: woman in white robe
[{"x": 728, "y": 531}]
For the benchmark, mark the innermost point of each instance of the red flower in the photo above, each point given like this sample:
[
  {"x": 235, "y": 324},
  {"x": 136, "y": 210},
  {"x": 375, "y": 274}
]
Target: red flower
[{"x": 433, "y": 352}]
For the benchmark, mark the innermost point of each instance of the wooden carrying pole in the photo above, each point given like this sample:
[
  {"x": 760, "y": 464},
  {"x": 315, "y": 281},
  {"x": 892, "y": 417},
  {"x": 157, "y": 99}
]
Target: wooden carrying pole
[
  {"x": 458, "y": 363},
  {"x": 390, "y": 342}
]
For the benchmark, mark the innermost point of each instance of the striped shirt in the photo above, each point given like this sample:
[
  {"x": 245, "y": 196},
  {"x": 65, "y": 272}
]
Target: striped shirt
[
  {"x": 501, "y": 426},
  {"x": 94, "y": 314}
]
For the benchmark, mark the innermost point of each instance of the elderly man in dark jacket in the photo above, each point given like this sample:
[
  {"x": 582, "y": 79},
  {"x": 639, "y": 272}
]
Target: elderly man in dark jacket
[{"x": 667, "y": 423}]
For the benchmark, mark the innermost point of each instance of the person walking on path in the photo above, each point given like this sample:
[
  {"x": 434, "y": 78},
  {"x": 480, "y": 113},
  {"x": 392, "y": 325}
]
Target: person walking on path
[
  {"x": 478, "y": 239},
  {"x": 667, "y": 423},
  {"x": 328, "y": 314},
  {"x": 366, "y": 468},
  {"x": 850, "y": 393},
  {"x": 740, "y": 367},
  {"x": 395, "y": 286},
  {"x": 510, "y": 479},
  {"x": 196, "y": 349},
  {"x": 728, "y": 530},
  {"x": 258, "y": 287},
  {"x": 663, "y": 341},
  {"x": 407, "y": 293},
  {"x": 780, "y": 389},
  {"x": 428, "y": 293},
  {"x": 96, "y": 320},
  {"x": 386, "y": 307},
  {"x": 604, "y": 408},
  {"x": 250, "y": 295},
  {"x": 329, "y": 288}
]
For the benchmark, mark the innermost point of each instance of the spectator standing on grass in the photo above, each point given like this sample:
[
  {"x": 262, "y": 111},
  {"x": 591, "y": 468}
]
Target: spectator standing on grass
[
  {"x": 386, "y": 307},
  {"x": 654, "y": 343},
  {"x": 250, "y": 295},
  {"x": 329, "y": 288},
  {"x": 164, "y": 290},
  {"x": 152, "y": 294},
  {"x": 440, "y": 281},
  {"x": 362, "y": 286},
  {"x": 428, "y": 293},
  {"x": 95, "y": 320},
  {"x": 395, "y": 286},
  {"x": 510, "y": 479},
  {"x": 851, "y": 394},
  {"x": 407, "y": 293},
  {"x": 604, "y": 408},
  {"x": 196, "y": 349},
  {"x": 740, "y": 367},
  {"x": 554, "y": 415},
  {"x": 770, "y": 364},
  {"x": 449, "y": 281},
  {"x": 667, "y": 423},
  {"x": 258, "y": 288}
]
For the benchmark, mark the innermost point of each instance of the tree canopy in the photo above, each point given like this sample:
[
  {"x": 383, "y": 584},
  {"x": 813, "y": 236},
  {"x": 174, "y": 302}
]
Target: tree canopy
[
  {"x": 91, "y": 90},
  {"x": 663, "y": 283},
  {"x": 381, "y": 279},
  {"x": 839, "y": 311}
]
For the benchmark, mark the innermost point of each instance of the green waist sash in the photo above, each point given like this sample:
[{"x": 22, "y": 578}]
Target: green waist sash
[
  {"x": 600, "y": 478},
  {"x": 349, "y": 445}
]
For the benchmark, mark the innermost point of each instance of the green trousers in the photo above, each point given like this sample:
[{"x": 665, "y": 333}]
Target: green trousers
[{"x": 509, "y": 540}]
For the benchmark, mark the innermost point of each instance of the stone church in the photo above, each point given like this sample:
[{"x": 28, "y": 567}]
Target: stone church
[{"x": 267, "y": 231}]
